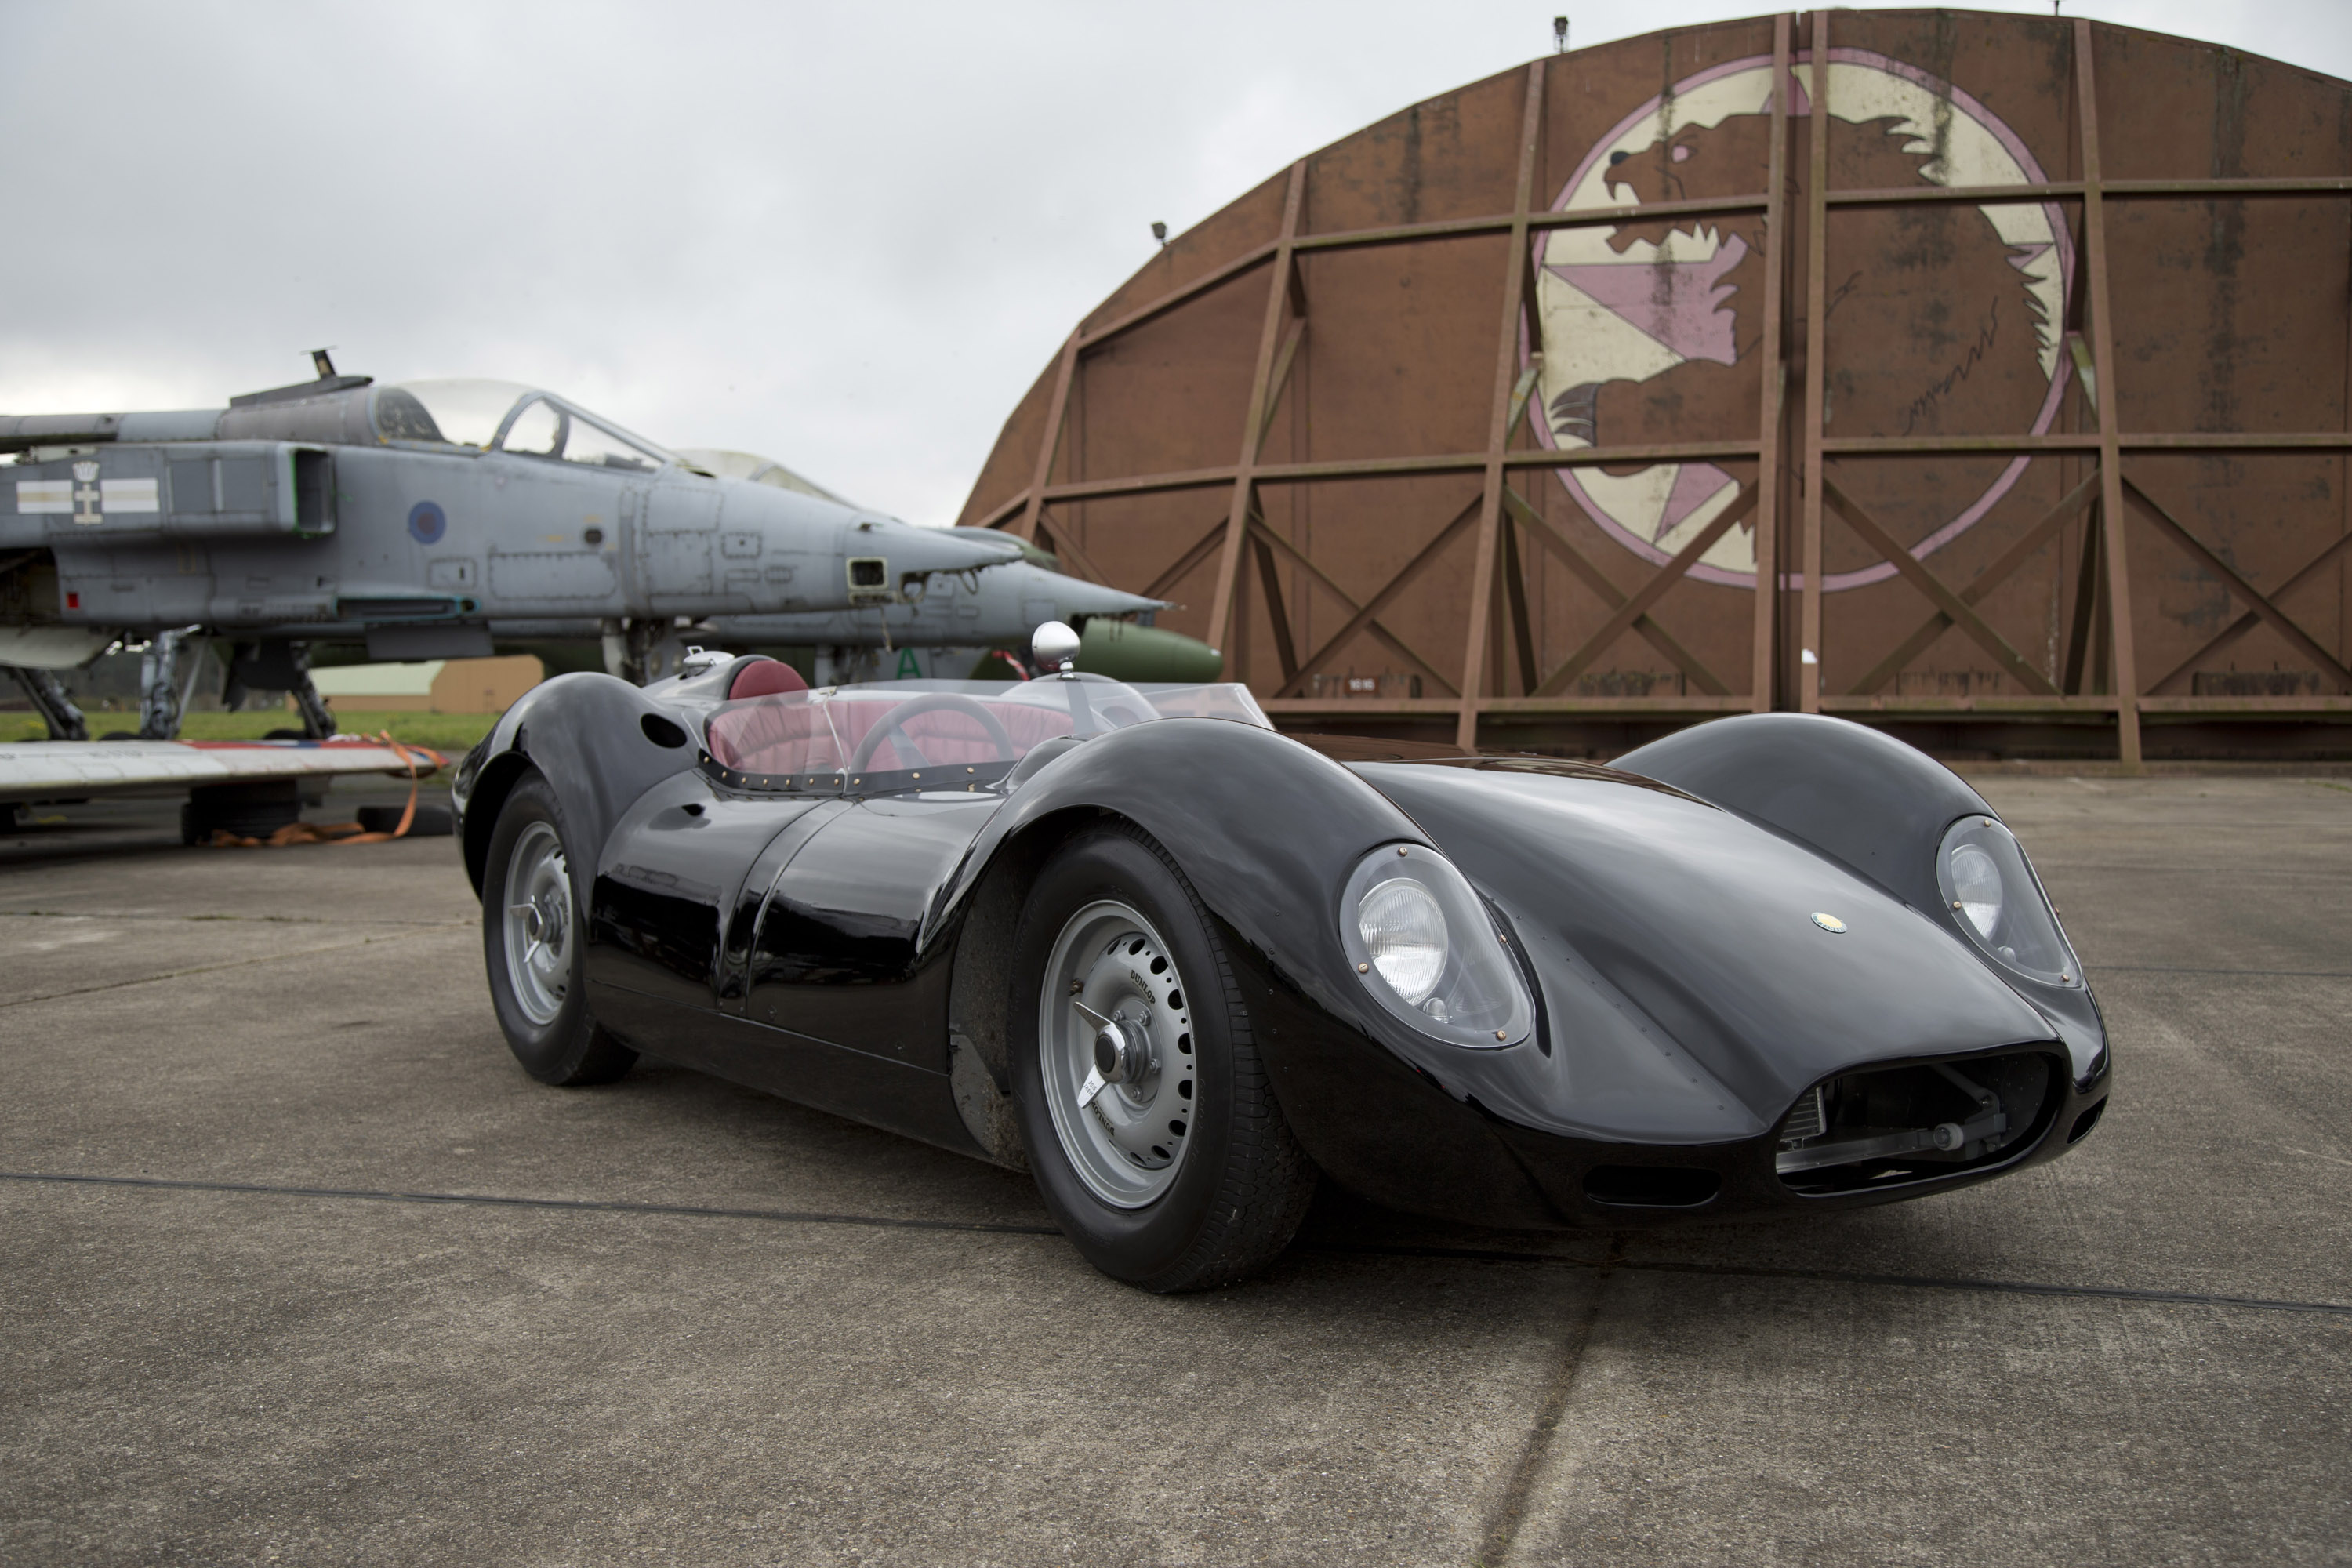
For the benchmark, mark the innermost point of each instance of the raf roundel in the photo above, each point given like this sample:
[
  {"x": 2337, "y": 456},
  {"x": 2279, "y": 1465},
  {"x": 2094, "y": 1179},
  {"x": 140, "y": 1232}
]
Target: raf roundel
[{"x": 427, "y": 522}]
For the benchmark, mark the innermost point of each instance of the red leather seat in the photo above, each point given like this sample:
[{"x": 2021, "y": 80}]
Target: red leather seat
[{"x": 761, "y": 677}]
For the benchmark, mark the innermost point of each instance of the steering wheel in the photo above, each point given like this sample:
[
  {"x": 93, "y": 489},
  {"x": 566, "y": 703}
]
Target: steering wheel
[{"x": 893, "y": 724}]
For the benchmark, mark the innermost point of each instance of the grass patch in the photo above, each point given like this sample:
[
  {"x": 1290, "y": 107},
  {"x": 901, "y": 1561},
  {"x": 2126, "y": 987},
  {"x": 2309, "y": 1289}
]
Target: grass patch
[{"x": 454, "y": 733}]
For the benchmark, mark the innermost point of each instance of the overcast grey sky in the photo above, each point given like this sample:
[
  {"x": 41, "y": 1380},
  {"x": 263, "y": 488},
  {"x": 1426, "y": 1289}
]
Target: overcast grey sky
[{"x": 846, "y": 237}]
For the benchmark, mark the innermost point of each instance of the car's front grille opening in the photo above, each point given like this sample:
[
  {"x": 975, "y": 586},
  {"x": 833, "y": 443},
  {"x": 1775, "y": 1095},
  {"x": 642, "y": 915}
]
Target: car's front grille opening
[
  {"x": 1651, "y": 1186},
  {"x": 2084, "y": 1123},
  {"x": 1892, "y": 1125}
]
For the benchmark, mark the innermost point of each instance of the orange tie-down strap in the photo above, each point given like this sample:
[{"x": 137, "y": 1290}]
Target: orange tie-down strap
[{"x": 331, "y": 832}]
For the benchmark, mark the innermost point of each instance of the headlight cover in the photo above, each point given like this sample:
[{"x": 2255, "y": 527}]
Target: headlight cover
[
  {"x": 1997, "y": 902},
  {"x": 1422, "y": 943}
]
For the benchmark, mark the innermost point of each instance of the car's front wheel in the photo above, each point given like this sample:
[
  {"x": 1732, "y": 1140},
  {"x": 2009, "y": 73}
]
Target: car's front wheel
[
  {"x": 1148, "y": 1121},
  {"x": 533, "y": 943}
]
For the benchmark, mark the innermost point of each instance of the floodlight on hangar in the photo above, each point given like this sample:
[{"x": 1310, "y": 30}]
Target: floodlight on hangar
[{"x": 1602, "y": 396}]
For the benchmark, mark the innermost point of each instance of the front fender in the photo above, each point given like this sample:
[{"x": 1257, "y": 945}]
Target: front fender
[
  {"x": 1266, "y": 829},
  {"x": 1866, "y": 801},
  {"x": 1267, "y": 832}
]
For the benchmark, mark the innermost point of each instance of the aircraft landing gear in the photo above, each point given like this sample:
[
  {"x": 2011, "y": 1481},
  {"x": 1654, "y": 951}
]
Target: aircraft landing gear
[
  {"x": 642, "y": 652},
  {"x": 48, "y": 695},
  {"x": 274, "y": 666},
  {"x": 318, "y": 721},
  {"x": 167, "y": 671}
]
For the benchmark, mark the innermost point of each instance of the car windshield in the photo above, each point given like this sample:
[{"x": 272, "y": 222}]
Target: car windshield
[
  {"x": 511, "y": 417},
  {"x": 948, "y": 735}
]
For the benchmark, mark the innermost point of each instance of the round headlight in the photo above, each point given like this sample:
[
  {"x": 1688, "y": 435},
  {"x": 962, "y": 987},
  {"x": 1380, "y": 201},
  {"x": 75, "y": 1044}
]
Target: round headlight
[
  {"x": 1976, "y": 888},
  {"x": 1405, "y": 933},
  {"x": 1997, "y": 902},
  {"x": 1430, "y": 952}
]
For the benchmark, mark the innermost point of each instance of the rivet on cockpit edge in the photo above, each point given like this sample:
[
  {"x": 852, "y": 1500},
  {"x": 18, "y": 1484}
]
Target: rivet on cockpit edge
[
  {"x": 1499, "y": 1035},
  {"x": 1399, "y": 849},
  {"x": 1363, "y": 969}
]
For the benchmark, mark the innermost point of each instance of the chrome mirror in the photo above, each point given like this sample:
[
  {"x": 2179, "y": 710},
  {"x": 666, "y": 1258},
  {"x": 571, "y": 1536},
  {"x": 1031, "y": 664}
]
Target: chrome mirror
[{"x": 1053, "y": 646}]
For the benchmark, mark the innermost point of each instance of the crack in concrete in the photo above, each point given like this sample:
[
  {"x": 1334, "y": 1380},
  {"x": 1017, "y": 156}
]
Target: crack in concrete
[
  {"x": 1854, "y": 1277},
  {"x": 1612, "y": 1262},
  {"x": 500, "y": 1200},
  {"x": 1510, "y": 1513},
  {"x": 2184, "y": 969}
]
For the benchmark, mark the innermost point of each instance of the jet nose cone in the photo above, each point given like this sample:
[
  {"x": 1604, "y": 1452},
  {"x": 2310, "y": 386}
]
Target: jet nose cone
[{"x": 1076, "y": 596}]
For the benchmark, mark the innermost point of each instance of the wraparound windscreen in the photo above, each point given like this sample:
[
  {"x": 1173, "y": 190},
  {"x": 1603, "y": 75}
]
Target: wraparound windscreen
[
  {"x": 889, "y": 734},
  {"x": 1981, "y": 376}
]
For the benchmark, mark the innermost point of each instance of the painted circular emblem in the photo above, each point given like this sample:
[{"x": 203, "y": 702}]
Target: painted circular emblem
[
  {"x": 1829, "y": 923},
  {"x": 1951, "y": 325},
  {"x": 427, "y": 522}
]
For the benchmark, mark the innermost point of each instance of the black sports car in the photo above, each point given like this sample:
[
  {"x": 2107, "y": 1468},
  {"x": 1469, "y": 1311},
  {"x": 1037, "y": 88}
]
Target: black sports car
[{"x": 1176, "y": 964}]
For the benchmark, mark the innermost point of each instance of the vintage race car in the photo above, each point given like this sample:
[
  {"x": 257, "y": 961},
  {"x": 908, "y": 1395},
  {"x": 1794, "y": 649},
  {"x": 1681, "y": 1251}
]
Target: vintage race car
[{"x": 1178, "y": 965}]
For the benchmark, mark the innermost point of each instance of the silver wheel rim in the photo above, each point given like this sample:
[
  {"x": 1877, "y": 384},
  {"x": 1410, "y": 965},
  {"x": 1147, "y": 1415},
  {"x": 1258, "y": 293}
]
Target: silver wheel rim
[
  {"x": 1125, "y": 1136},
  {"x": 539, "y": 923}
]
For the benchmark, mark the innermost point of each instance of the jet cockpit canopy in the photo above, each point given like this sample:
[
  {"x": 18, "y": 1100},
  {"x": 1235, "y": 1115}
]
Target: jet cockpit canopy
[{"x": 506, "y": 416}]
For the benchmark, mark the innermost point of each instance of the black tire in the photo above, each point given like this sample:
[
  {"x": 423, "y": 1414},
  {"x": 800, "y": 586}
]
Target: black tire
[
  {"x": 430, "y": 821},
  {"x": 247, "y": 810},
  {"x": 1245, "y": 1184},
  {"x": 569, "y": 1048}
]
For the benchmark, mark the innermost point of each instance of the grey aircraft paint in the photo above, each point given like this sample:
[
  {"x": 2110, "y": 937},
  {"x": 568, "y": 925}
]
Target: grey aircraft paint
[
  {"x": 968, "y": 613},
  {"x": 957, "y": 615},
  {"x": 1000, "y": 607},
  {"x": 410, "y": 519}
]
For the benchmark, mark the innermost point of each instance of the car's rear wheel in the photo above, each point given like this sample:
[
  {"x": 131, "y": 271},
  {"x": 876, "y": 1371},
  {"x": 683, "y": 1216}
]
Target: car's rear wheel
[
  {"x": 1148, "y": 1121},
  {"x": 533, "y": 944}
]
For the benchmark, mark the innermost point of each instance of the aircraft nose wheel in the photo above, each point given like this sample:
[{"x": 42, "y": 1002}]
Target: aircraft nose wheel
[
  {"x": 1114, "y": 1041},
  {"x": 539, "y": 923}
]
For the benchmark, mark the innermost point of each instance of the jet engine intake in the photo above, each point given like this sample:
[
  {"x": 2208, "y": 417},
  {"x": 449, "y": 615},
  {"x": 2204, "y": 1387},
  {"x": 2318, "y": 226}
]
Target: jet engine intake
[{"x": 218, "y": 490}]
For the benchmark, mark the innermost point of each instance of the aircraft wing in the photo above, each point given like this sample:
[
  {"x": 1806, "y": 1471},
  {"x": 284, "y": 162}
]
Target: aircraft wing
[{"x": 48, "y": 770}]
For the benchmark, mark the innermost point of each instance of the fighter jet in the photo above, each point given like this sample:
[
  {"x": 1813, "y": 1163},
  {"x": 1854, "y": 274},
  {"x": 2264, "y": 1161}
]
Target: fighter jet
[
  {"x": 998, "y": 610},
  {"x": 412, "y": 518}
]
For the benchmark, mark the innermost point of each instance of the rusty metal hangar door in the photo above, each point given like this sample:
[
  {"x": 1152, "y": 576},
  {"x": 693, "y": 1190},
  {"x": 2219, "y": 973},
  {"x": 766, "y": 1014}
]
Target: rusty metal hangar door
[{"x": 1983, "y": 377}]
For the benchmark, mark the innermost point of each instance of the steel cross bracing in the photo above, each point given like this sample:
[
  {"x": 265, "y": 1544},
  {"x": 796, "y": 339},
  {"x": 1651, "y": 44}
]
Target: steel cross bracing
[{"x": 1794, "y": 465}]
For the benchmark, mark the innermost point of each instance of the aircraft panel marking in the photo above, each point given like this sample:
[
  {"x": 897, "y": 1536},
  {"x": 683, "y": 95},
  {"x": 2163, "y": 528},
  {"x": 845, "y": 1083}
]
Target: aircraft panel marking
[
  {"x": 129, "y": 495},
  {"x": 44, "y": 495}
]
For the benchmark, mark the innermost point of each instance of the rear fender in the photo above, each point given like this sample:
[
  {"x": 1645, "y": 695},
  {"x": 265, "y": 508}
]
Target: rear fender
[{"x": 590, "y": 735}]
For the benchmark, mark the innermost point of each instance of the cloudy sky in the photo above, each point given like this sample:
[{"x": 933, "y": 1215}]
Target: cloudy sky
[{"x": 848, "y": 237}]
